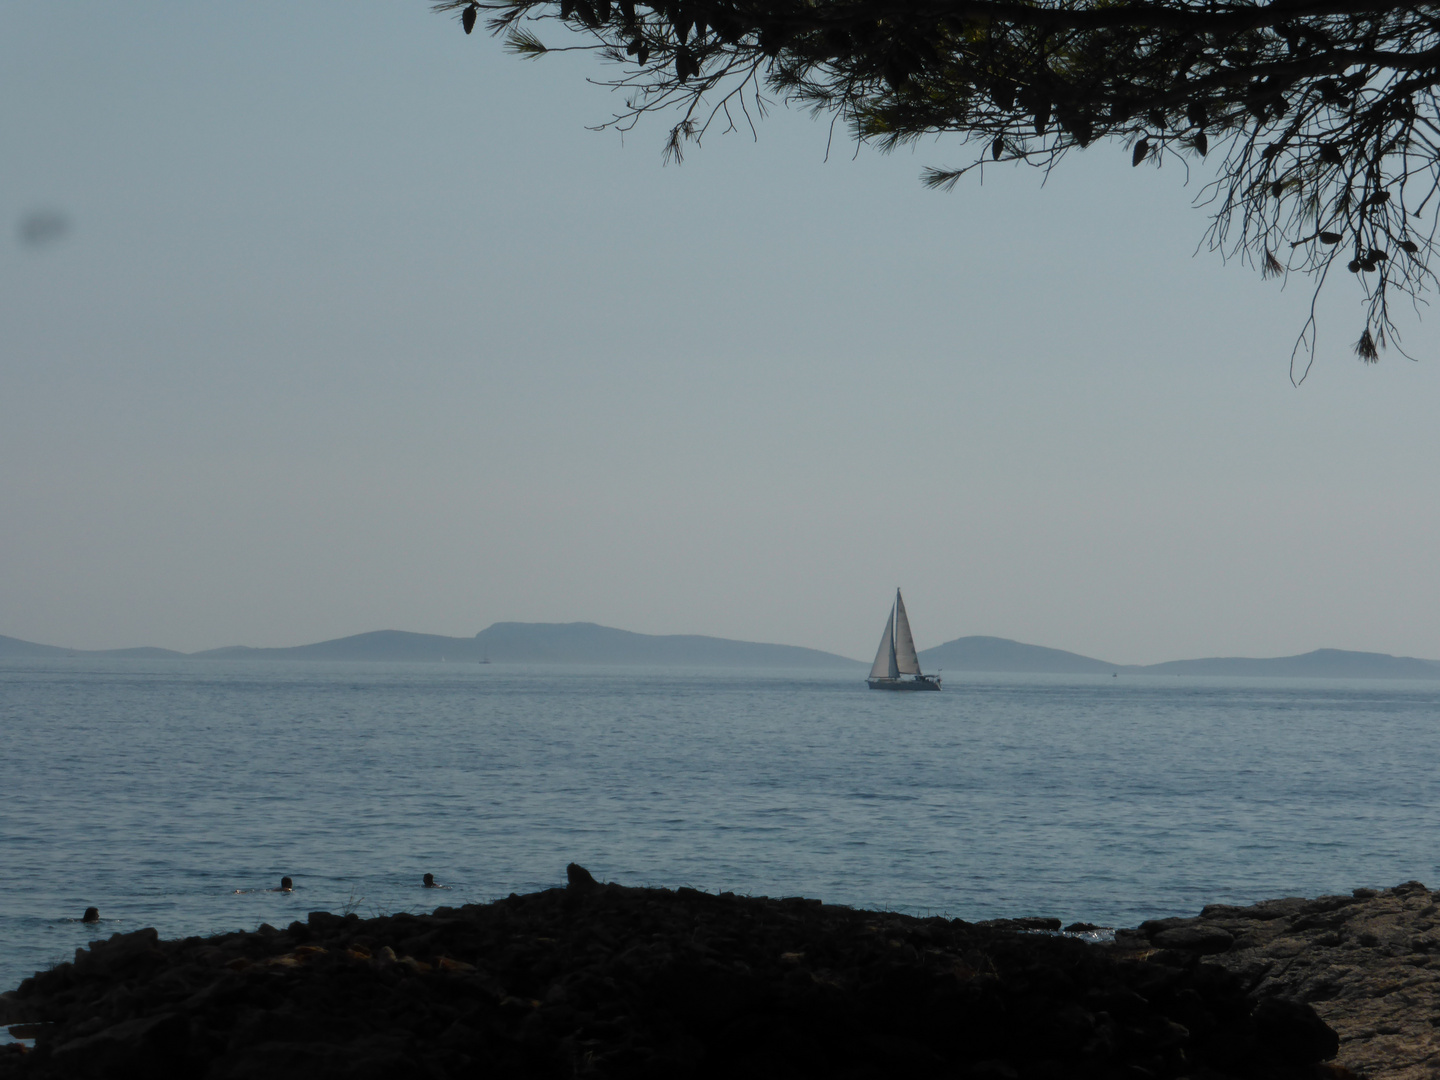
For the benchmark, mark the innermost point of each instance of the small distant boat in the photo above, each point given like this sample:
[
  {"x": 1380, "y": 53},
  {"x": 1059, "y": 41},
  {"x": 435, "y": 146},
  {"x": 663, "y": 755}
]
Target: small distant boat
[{"x": 896, "y": 657}]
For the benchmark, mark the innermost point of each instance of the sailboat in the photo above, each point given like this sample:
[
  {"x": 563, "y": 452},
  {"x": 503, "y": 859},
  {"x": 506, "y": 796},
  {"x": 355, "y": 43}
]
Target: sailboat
[{"x": 896, "y": 656}]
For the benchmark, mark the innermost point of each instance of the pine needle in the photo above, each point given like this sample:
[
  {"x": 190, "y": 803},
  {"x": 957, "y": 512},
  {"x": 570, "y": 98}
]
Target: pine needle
[
  {"x": 675, "y": 145},
  {"x": 941, "y": 179},
  {"x": 522, "y": 42},
  {"x": 1365, "y": 348}
]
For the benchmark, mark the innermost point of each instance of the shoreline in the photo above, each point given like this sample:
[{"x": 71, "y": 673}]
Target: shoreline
[
  {"x": 1368, "y": 963},
  {"x": 607, "y": 980}
]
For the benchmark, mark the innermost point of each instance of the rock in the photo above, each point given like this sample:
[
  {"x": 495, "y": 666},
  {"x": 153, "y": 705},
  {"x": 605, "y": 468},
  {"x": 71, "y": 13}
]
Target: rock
[
  {"x": 1279, "y": 909},
  {"x": 1037, "y": 922},
  {"x": 647, "y": 982},
  {"x": 580, "y": 879},
  {"x": 1286, "y": 947},
  {"x": 1151, "y": 927},
  {"x": 1198, "y": 939},
  {"x": 1368, "y": 964},
  {"x": 1293, "y": 1031},
  {"x": 140, "y": 1045},
  {"x": 1025, "y": 922}
]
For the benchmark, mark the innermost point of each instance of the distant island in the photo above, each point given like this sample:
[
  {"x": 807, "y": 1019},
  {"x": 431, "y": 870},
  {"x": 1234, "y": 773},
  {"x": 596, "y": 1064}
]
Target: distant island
[
  {"x": 997, "y": 655},
  {"x": 590, "y": 643},
  {"x": 506, "y": 642}
]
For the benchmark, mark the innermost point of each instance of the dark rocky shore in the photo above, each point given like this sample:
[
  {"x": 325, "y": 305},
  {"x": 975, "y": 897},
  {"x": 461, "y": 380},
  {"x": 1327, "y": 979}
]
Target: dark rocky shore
[
  {"x": 1368, "y": 963},
  {"x": 602, "y": 980}
]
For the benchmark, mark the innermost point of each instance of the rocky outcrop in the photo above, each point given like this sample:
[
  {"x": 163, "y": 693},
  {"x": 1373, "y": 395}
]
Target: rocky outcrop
[
  {"x": 605, "y": 981},
  {"x": 1368, "y": 963}
]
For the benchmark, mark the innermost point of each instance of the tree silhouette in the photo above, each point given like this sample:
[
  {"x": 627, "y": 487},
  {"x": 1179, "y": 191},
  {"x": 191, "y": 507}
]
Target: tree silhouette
[{"x": 1318, "y": 117}]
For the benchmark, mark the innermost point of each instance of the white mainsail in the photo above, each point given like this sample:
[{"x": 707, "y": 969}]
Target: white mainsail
[
  {"x": 906, "y": 662},
  {"x": 884, "y": 666}
]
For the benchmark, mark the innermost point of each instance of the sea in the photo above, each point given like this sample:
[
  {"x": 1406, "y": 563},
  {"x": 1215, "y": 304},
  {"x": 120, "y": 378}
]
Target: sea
[{"x": 177, "y": 793}]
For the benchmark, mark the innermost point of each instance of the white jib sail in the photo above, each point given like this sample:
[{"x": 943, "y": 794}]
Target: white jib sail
[
  {"x": 884, "y": 666},
  {"x": 906, "y": 662}
]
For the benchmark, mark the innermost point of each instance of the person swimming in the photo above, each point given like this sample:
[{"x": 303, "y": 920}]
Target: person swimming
[
  {"x": 91, "y": 915},
  {"x": 286, "y": 885},
  {"x": 430, "y": 882}
]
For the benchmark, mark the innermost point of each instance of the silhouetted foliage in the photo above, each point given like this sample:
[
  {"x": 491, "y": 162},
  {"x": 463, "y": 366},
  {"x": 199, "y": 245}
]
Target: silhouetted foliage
[{"x": 1319, "y": 117}]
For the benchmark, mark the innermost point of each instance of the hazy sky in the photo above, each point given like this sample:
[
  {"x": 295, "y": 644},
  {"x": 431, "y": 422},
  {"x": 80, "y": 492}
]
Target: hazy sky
[{"x": 356, "y": 326}]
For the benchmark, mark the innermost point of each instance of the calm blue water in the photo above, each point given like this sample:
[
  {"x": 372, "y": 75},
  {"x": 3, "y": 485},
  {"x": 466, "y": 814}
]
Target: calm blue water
[{"x": 174, "y": 793}]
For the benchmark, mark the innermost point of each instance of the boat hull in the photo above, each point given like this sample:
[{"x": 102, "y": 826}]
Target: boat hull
[{"x": 925, "y": 682}]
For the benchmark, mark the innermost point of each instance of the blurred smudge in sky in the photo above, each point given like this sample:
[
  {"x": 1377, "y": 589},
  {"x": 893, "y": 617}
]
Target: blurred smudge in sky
[{"x": 41, "y": 228}]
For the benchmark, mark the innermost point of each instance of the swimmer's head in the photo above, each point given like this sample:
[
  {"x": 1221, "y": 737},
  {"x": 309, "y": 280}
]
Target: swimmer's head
[
  {"x": 286, "y": 884},
  {"x": 430, "y": 881},
  {"x": 91, "y": 915}
]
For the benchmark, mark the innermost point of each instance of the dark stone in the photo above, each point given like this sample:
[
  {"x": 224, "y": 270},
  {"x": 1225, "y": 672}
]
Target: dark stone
[
  {"x": 579, "y": 879},
  {"x": 140, "y": 1045},
  {"x": 1329, "y": 903},
  {"x": 1038, "y": 922},
  {"x": 1151, "y": 927},
  {"x": 1025, "y": 922},
  {"x": 607, "y": 981},
  {"x": 1347, "y": 956},
  {"x": 1198, "y": 939},
  {"x": 1278, "y": 909},
  {"x": 1292, "y": 1033}
]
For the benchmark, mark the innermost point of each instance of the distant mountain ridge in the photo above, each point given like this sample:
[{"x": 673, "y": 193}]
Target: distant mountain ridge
[
  {"x": 14, "y": 647},
  {"x": 590, "y": 643},
  {"x": 547, "y": 643},
  {"x": 375, "y": 645},
  {"x": 1001, "y": 655},
  {"x": 1321, "y": 663}
]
